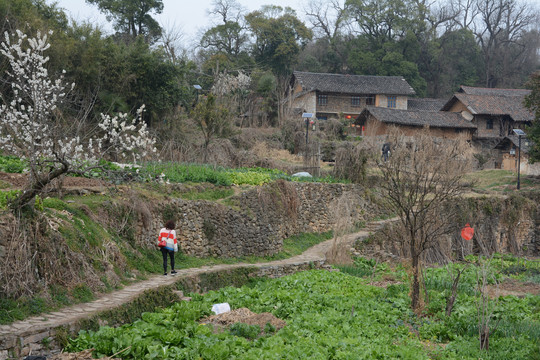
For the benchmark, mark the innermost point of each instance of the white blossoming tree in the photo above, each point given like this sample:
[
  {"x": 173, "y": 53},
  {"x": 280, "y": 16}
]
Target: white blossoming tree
[
  {"x": 33, "y": 128},
  {"x": 233, "y": 91}
]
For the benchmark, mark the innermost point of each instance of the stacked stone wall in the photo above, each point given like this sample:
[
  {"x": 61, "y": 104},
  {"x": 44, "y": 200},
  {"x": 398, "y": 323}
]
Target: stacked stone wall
[{"x": 257, "y": 221}]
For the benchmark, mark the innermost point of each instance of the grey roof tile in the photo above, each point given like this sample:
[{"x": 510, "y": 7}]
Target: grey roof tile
[
  {"x": 425, "y": 104},
  {"x": 438, "y": 119},
  {"x": 493, "y": 105},
  {"x": 353, "y": 84},
  {"x": 525, "y": 144},
  {"x": 494, "y": 92}
]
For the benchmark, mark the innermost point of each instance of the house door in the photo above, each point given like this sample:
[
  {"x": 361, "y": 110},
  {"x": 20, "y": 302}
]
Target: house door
[{"x": 509, "y": 162}]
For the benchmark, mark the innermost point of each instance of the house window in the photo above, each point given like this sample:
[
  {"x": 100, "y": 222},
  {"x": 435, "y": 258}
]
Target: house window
[
  {"x": 391, "y": 101},
  {"x": 370, "y": 100},
  {"x": 323, "y": 100},
  {"x": 489, "y": 124},
  {"x": 355, "y": 100}
]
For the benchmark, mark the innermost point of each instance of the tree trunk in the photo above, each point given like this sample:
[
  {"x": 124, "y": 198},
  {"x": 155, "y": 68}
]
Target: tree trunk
[
  {"x": 37, "y": 186},
  {"x": 452, "y": 298},
  {"x": 484, "y": 338},
  {"x": 415, "y": 286}
]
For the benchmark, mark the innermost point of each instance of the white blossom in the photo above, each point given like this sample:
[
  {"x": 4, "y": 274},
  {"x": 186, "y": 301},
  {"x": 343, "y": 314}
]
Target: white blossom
[
  {"x": 227, "y": 83},
  {"x": 29, "y": 122}
]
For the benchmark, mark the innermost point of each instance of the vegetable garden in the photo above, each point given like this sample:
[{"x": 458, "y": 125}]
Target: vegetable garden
[{"x": 336, "y": 315}]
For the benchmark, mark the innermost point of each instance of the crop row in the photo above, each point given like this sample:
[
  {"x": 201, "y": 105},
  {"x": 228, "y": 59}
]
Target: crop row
[
  {"x": 329, "y": 315},
  {"x": 176, "y": 173}
]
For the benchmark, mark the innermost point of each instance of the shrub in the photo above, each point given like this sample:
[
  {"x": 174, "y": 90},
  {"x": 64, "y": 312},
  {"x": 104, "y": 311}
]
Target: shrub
[
  {"x": 245, "y": 330},
  {"x": 12, "y": 164}
]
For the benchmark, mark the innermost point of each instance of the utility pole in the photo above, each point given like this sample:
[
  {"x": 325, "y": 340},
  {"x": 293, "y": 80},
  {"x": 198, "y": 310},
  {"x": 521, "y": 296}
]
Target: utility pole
[
  {"x": 519, "y": 133},
  {"x": 306, "y": 117}
]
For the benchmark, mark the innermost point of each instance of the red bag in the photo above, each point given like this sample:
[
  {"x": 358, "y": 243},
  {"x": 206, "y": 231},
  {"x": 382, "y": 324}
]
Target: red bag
[{"x": 163, "y": 242}]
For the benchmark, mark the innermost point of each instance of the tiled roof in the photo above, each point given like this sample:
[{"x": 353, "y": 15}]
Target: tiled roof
[
  {"x": 425, "y": 104},
  {"x": 496, "y": 92},
  {"x": 438, "y": 119},
  {"x": 353, "y": 84},
  {"x": 493, "y": 105},
  {"x": 514, "y": 140}
]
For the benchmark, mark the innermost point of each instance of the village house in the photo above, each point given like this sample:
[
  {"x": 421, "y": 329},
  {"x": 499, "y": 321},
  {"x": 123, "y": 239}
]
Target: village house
[
  {"x": 334, "y": 95},
  {"x": 484, "y": 116},
  {"x": 375, "y": 121},
  {"x": 495, "y": 112}
]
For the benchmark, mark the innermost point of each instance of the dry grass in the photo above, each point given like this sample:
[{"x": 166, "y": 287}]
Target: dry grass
[
  {"x": 17, "y": 276},
  {"x": 344, "y": 211},
  {"x": 262, "y": 150},
  {"x": 243, "y": 315}
]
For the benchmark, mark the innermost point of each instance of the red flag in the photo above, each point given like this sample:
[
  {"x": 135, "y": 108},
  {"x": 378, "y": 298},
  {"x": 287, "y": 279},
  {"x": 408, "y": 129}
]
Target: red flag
[{"x": 467, "y": 232}]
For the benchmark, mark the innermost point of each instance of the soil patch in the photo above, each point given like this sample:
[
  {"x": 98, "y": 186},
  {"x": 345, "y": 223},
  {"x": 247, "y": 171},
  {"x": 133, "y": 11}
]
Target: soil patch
[
  {"x": 243, "y": 315},
  {"x": 15, "y": 180},
  {"x": 83, "y": 355},
  {"x": 513, "y": 287},
  {"x": 385, "y": 283},
  {"x": 18, "y": 181}
]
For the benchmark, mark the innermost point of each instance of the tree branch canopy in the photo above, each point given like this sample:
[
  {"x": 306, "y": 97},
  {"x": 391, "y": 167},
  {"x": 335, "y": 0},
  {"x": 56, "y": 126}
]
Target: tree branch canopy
[
  {"x": 132, "y": 17},
  {"x": 420, "y": 181}
]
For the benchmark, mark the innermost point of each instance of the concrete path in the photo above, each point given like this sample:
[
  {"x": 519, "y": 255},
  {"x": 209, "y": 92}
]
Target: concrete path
[{"x": 36, "y": 328}]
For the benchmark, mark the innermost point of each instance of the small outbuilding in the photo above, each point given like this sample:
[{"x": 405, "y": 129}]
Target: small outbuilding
[
  {"x": 374, "y": 121},
  {"x": 508, "y": 153}
]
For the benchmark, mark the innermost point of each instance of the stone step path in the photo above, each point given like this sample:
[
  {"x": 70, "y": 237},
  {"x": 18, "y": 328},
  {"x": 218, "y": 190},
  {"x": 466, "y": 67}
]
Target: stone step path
[{"x": 35, "y": 329}]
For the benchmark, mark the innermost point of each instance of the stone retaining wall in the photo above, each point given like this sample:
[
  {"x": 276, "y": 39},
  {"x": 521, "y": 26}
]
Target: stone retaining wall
[
  {"x": 257, "y": 220},
  {"x": 501, "y": 225}
]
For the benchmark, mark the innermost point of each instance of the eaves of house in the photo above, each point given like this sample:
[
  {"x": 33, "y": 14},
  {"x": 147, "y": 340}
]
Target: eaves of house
[
  {"x": 492, "y": 105},
  {"x": 437, "y": 119}
]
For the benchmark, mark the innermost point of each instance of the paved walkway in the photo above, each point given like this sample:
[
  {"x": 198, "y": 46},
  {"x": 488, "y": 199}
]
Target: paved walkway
[{"x": 69, "y": 315}]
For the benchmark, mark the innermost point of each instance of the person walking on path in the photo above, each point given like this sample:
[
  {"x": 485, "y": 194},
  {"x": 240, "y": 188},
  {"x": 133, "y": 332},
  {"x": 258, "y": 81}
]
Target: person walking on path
[
  {"x": 169, "y": 235},
  {"x": 385, "y": 151}
]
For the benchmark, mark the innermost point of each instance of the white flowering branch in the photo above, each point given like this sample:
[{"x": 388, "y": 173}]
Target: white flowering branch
[
  {"x": 31, "y": 126},
  {"x": 229, "y": 84}
]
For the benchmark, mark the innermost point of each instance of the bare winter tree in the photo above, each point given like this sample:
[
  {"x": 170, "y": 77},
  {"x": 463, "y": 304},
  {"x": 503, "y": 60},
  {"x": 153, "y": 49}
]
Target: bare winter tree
[
  {"x": 500, "y": 31},
  {"x": 331, "y": 28},
  {"x": 465, "y": 12},
  {"x": 422, "y": 177},
  {"x": 484, "y": 304},
  {"x": 227, "y": 10},
  {"x": 328, "y": 18},
  {"x": 171, "y": 40}
]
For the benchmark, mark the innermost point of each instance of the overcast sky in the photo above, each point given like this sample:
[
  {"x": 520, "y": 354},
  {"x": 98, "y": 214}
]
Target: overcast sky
[{"x": 188, "y": 15}]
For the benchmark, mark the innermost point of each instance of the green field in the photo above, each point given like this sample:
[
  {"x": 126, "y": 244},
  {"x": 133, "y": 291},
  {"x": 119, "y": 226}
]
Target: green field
[{"x": 335, "y": 315}]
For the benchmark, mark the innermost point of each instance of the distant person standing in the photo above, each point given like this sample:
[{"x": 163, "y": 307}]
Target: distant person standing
[
  {"x": 385, "y": 151},
  {"x": 168, "y": 235}
]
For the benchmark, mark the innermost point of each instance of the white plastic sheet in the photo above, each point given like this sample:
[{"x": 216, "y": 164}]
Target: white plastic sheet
[
  {"x": 221, "y": 308},
  {"x": 302, "y": 174}
]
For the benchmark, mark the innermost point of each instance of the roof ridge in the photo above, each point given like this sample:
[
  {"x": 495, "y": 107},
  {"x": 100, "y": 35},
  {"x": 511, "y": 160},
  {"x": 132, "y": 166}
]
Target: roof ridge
[
  {"x": 486, "y": 88},
  {"x": 334, "y": 74}
]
